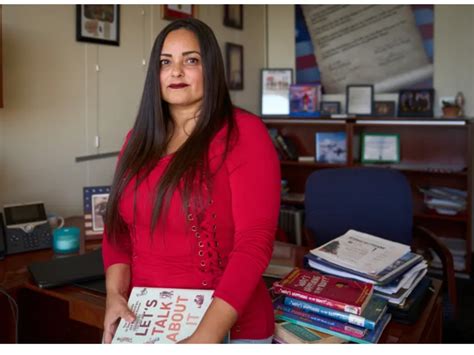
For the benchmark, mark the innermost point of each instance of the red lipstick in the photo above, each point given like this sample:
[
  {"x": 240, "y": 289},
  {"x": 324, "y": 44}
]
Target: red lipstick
[{"x": 178, "y": 86}]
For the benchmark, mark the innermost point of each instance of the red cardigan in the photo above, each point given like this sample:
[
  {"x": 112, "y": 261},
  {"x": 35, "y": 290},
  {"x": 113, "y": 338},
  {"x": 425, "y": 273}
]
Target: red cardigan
[{"x": 225, "y": 248}]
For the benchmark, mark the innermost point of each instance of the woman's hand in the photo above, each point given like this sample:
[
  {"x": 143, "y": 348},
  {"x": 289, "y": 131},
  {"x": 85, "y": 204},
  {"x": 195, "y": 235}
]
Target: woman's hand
[{"x": 116, "y": 308}]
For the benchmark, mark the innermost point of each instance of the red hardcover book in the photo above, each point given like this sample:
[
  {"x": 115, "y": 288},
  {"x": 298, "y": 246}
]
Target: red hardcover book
[{"x": 330, "y": 291}]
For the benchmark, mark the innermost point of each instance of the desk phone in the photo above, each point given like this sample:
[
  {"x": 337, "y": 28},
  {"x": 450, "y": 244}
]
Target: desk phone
[{"x": 26, "y": 228}]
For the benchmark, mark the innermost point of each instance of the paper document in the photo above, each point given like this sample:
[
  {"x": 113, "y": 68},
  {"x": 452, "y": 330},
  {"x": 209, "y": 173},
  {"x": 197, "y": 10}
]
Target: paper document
[{"x": 361, "y": 252}]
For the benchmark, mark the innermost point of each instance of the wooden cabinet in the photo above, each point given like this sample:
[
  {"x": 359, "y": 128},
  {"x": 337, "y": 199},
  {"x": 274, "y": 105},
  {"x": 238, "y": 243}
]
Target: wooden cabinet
[{"x": 433, "y": 152}]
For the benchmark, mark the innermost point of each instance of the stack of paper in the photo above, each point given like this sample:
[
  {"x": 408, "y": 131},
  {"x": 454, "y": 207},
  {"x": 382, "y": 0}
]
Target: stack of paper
[
  {"x": 445, "y": 200},
  {"x": 393, "y": 269}
]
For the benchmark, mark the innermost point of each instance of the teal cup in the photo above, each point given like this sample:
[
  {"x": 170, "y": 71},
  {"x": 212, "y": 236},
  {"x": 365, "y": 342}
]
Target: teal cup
[{"x": 66, "y": 240}]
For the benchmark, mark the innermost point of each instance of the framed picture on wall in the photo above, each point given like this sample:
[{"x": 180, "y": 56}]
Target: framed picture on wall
[
  {"x": 175, "y": 12},
  {"x": 98, "y": 24},
  {"x": 275, "y": 91},
  {"x": 234, "y": 16},
  {"x": 234, "y": 55}
]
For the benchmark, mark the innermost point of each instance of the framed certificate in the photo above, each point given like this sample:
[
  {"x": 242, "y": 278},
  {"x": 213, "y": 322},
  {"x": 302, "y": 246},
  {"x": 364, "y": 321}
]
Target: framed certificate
[
  {"x": 360, "y": 100},
  {"x": 380, "y": 148},
  {"x": 275, "y": 91}
]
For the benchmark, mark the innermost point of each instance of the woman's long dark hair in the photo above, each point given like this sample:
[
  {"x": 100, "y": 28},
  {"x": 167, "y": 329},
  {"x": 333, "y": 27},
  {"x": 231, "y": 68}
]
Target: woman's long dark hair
[{"x": 154, "y": 126}]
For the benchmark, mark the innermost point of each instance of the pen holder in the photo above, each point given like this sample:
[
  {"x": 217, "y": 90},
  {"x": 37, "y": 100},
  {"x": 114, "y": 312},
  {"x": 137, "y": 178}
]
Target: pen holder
[{"x": 66, "y": 240}]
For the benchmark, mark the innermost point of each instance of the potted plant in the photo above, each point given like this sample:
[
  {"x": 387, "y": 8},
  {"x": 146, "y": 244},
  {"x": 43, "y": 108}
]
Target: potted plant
[{"x": 450, "y": 109}]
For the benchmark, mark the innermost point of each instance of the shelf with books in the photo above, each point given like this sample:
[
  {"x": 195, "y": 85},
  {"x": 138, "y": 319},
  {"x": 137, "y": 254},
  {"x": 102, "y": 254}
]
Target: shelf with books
[{"x": 433, "y": 152}]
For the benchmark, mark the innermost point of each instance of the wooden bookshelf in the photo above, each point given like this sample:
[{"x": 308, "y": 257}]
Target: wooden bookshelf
[{"x": 433, "y": 152}]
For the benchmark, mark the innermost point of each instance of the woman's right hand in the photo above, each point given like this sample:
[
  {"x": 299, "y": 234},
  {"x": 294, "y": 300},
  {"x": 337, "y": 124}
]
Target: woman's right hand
[{"x": 116, "y": 308}]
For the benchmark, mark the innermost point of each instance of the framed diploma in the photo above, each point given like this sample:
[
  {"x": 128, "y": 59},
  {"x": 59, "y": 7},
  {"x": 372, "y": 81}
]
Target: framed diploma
[
  {"x": 380, "y": 148},
  {"x": 359, "y": 100}
]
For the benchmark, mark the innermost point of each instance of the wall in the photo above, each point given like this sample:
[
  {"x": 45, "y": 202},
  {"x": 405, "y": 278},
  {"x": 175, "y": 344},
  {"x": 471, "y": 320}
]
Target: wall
[
  {"x": 281, "y": 36},
  {"x": 454, "y": 52},
  {"x": 56, "y": 102},
  {"x": 453, "y": 49}
]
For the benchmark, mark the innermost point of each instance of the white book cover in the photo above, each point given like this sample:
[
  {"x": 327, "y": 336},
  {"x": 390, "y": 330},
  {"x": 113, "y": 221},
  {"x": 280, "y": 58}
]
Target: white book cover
[
  {"x": 163, "y": 315},
  {"x": 361, "y": 252}
]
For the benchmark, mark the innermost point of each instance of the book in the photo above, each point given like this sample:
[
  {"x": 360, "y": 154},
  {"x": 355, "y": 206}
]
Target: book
[
  {"x": 163, "y": 315},
  {"x": 291, "y": 222},
  {"x": 371, "y": 337},
  {"x": 361, "y": 252},
  {"x": 330, "y": 291},
  {"x": 291, "y": 333},
  {"x": 403, "y": 293},
  {"x": 283, "y": 260},
  {"x": 403, "y": 281},
  {"x": 383, "y": 277},
  {"x": 284, "y": 146},
  {"x": 320, "y": 321},
  {"x": 331, "y": 147},
  {"x": 375, "y": 309},
  {"x": 288, "y": 147}
]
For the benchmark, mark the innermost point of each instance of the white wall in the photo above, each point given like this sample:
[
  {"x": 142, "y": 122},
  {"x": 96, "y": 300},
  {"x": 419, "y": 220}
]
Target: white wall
[
  {"x": 56, "y": 102},
  {"x": 454, "y": 52},
  {"x": 281, "y": 36}
]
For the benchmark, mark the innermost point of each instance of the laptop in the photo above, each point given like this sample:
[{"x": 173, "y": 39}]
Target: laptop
[
  {"x": 68, "y": 270},
  {"x": 96, "y": 286}
]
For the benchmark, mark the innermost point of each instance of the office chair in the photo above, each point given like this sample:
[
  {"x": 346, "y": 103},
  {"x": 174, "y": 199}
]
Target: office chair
[{"x": 376, "y": 201}]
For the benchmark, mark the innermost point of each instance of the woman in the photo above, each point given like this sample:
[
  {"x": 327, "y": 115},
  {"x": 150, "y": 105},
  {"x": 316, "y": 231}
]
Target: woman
[{"x": 195, "y": 197}]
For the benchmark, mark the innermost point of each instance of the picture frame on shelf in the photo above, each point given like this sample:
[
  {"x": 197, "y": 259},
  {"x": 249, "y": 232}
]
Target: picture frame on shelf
[
  {"x": 98, "y": 24},
  {"x": 275, "y": 91},
  {"x": 99, "y": 206},
  {"x": 234, "y": 16},
  {"x": 380, "y": 148},
  {"x": 329, "y": 108},
  {"x": 331, "y": 147},
  {"x": 305, "y": 100},
  {"x": 384, "y": 109},
  {"x": 94, "y": 202},
  {"x": 176, "y": 12},
  {"x": 359, "y": 99},
  {"x": 415, "y": 102},
  {"x": 234, "y": 54}
]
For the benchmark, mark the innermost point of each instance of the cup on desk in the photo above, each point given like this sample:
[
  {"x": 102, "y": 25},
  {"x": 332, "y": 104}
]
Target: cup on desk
[
  {"x": 66, "y": 240},
  {"x": 55, "y": 221}
]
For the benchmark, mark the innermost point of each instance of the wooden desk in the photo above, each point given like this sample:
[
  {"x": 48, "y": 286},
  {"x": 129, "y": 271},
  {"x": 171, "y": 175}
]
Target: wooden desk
[{"x": 74, "y": 315}]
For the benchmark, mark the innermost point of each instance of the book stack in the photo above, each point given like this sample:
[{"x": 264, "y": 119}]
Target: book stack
[
  {"x": 394, "y": 271},
  {"x": 284, "y": 146},
  {"x": 340, "y": 308},
  {"x": 290, "y": 221},
  {"x": 445, "y": 200}
]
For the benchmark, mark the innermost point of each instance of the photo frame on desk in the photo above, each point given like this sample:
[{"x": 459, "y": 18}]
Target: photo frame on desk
[
  {"x": 416, "y": 103},
  {"x": 95, "y": 201},
  {"x": 98, "y": 24},
  {"x": 275, "y": 91},
  {"x": 329, "y": 108},
  {"x": 360, "y": 100},
  {"x": 384, "y": 109}
]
